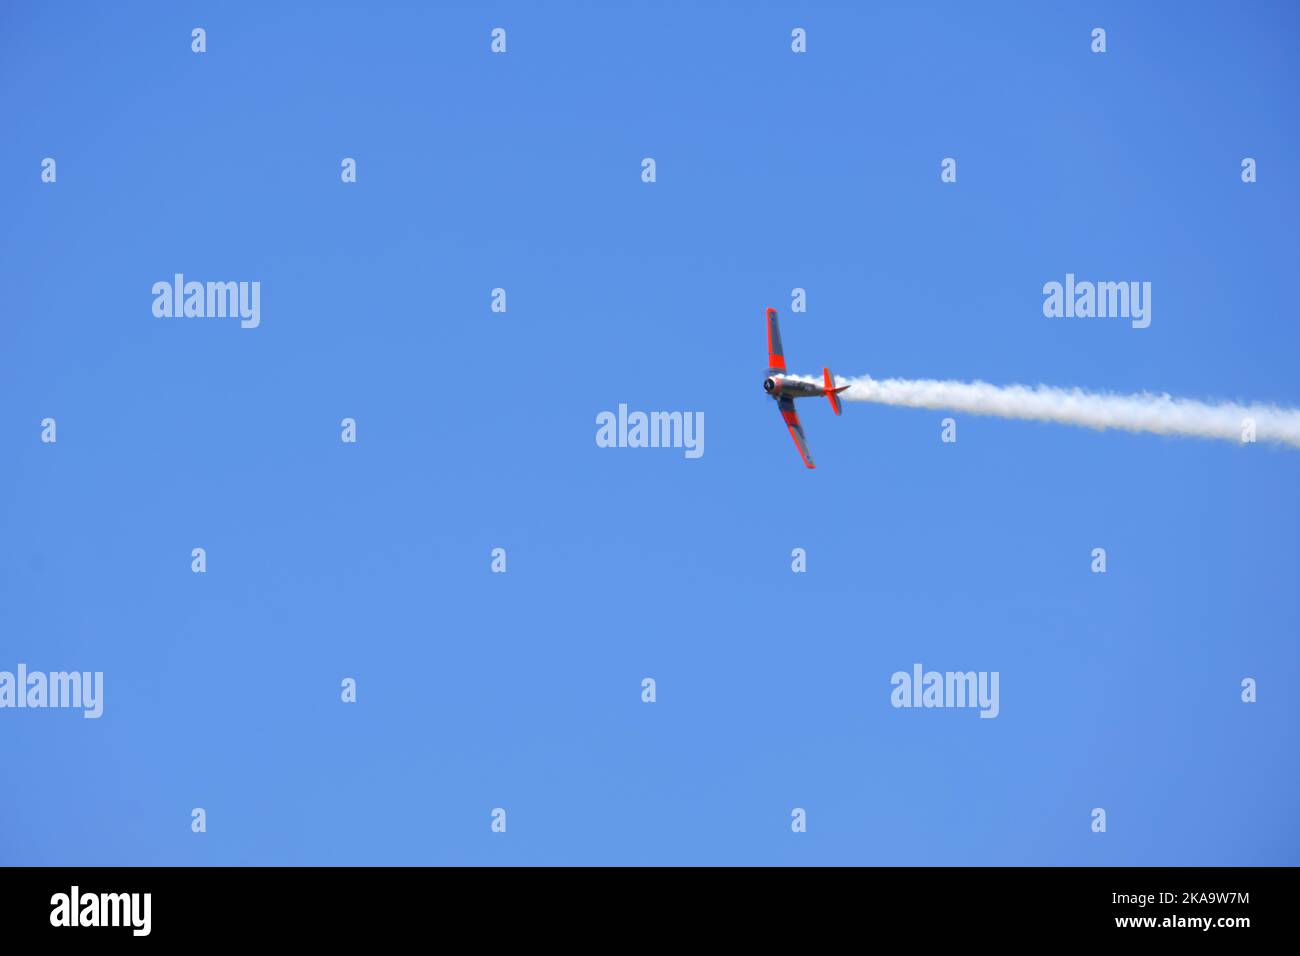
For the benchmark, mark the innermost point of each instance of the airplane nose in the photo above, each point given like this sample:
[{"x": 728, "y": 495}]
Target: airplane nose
[{"x": 768, "y": 385}]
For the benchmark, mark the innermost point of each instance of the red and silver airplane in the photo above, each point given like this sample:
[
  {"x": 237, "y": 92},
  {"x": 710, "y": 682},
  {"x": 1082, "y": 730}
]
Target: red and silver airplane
[{"x": 786, "y": 390}]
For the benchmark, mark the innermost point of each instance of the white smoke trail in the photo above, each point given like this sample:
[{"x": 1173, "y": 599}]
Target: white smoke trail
[{"x": 1161, "y": 414}]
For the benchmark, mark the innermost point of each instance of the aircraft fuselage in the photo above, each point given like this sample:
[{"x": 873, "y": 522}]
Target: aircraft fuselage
[{"x": 777, "y": 385}]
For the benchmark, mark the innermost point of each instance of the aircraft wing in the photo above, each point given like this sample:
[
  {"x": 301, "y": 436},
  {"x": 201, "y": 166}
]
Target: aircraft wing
[
  {"x": 775, "y": 354},
  {"x": 786, "y": 404}
]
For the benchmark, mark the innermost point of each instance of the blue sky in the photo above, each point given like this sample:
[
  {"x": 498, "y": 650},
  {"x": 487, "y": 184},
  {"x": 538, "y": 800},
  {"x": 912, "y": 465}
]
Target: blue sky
[{"x": 476, "y": 431}]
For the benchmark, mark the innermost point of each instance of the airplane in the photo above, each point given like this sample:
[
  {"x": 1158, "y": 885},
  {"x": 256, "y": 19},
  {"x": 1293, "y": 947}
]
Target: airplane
[{"x": 786, "y": 390}]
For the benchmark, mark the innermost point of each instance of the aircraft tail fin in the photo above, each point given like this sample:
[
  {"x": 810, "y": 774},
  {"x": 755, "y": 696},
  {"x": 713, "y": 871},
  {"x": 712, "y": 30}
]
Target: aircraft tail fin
[{"x": 833, "y": 393}]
